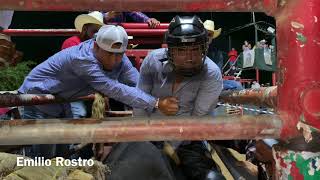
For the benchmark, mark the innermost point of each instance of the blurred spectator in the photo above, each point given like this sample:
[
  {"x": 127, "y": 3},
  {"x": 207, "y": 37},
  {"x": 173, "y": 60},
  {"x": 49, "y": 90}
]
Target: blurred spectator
[
  {"x": 262, "y": 44},
  {"x": 233, "y": 54},
  {"x": 120, "y": 17},
  {"x": 213, "y": 53},
  {"x": 232, "y": 71},
  {"x": 87, "y": 25},
  {"x": 8, "y": 53},
  {"x": 246, "y": 46},
  {"x": 258, "y": 45},
  {"x": 255, "y": 85}
]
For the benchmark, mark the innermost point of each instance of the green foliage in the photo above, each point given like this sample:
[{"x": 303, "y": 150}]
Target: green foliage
[{"x": 11, "y": 78}]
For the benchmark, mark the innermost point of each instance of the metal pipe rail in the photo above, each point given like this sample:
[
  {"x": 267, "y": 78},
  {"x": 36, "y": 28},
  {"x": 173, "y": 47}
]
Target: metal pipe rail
[
  {"x": 54, "y": 131},
  {"x": 264, "y": 96},
  {"x": 11, "y": 100},
  {"x": 70, "y": 32},
  {"x": 143, "y": 26}
]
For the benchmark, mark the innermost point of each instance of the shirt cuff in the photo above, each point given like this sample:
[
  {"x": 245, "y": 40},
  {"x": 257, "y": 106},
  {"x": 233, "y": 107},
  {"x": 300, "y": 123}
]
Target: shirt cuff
[{"x": 152, "y": 104}]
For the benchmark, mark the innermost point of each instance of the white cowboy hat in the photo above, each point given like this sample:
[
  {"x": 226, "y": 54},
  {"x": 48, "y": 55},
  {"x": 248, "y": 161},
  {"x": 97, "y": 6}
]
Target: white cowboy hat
[
  {"x": 209, "y": 25},
  {"x": 94, "y": 17},
  {"x": 263, "y": 41}
]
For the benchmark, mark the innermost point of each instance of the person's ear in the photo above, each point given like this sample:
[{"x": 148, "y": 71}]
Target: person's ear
[
  {"x": 84, "y": 28},
  {"x": 95, "y": 46}
]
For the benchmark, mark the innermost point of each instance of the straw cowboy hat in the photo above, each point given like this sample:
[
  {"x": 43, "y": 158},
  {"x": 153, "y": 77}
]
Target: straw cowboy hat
[
  {"x": 94, "y": 17},
  {"x": 209, "y": 25}
]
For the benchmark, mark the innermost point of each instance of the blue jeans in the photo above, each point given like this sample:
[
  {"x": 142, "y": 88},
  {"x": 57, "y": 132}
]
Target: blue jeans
[
  {"x": 47, "y": 151},
  {"x": 78, "y": 109},
  {"x": 232, "y": 85}
]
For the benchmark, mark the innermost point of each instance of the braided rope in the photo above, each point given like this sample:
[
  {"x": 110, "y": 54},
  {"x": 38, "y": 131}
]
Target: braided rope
[{"x": 245, "y": 108}]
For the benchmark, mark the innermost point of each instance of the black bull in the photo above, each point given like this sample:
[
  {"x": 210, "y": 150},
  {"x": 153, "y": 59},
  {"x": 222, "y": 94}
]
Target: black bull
[{"x": 145, "y": 161}]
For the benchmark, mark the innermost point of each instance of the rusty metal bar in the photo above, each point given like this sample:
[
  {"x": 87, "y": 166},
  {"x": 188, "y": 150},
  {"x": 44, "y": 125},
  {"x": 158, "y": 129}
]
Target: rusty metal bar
[
  {"x": 10, "y": 100},
  {"x": 19, "y": 132},
  {"x": 119, "y": 113},
  {"x": 140, "y": 5},
  {"x": 265, "y": 96}
]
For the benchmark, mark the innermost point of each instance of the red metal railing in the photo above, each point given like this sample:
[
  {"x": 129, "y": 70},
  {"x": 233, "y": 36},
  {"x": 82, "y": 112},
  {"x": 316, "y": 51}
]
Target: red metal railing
[
  {"x": 69, "y": 32},
  {"x": 142, "y": 5}
]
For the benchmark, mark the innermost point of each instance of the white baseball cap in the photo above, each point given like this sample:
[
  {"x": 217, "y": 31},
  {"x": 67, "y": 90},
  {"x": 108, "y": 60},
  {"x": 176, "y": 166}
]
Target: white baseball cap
[{"x": 111, "y": 34}]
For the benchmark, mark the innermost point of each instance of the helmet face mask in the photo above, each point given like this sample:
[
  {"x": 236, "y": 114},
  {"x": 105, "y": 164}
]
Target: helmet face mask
[
  {"x": 187, "y": 41},
  {"x": 187, "y": 60}
]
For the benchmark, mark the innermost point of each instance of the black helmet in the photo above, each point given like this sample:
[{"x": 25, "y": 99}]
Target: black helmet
[{"x": 185, "y": 30}]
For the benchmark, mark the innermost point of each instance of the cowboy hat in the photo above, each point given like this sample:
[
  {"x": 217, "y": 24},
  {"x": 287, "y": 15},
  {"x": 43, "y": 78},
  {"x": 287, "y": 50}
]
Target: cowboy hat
[
  {"x": 263, "y": 41},
  {"x": 209, "y": 25},
  {"x": 94, "y": 17}
]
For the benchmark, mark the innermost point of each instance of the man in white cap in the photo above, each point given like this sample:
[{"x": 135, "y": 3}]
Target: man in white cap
[
  {"x": 87, "y": 25},
  {"x": 95, "y": 65}
]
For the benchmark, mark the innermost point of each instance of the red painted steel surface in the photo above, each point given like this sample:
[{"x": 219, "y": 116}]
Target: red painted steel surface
[
  {"x": 40, "y": 32},
  {"x": 298, "y": 51},
  {"x": 69, "y": 32},
  {"x": 139, "y": 55},
  {"x": 141, "y": 5},
  {"x": 142, "y": 26},
  {"x": 142, "y": 40},
  {"x": 238, "y": 79}
]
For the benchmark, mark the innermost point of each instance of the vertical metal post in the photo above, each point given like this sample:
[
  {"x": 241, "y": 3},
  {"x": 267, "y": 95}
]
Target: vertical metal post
[
  {"x": 298, "y": 38},
  {"x": 255, "y": 28},
  {"x": 274, "y": 79},
  {"x": 230, "y": 43},
  {"x": 257, "y": 75},
  {"x": 299, "y": 90}
]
